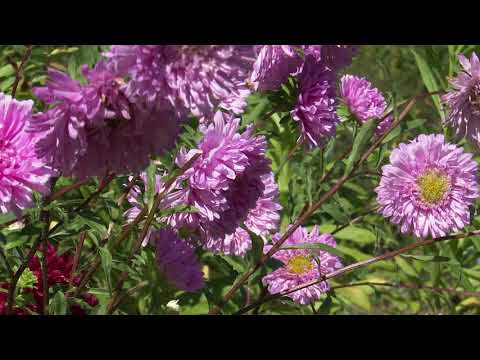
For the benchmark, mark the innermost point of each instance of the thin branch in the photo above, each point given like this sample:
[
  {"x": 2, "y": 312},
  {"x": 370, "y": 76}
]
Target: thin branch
[
  {"x": 66, "y": 189},
  {"x": 114, "y": 303},
  {"x": 124, "y": 235},
  {"x": 44, "y": 263},
  {"x": 130, "y": 292},
  {"x": 7, "y": 264},
  {"x": 44, "y": 216},
  {"x": 78, "y": 252},
  {"x": 105, "y": 182},
  {"x": 18, "y": 73},
  {"x": 49, "y": 199},
  {"x": 289, "y": 155},
  {"x": 353, "y": 221},
  {"x": 19, "y": 272}
]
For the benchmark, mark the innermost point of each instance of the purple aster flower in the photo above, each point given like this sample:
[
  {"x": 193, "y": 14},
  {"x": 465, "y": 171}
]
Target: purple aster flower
[
  {"x": 428, "y": 187},
  {"x": 316, "y": 108},
  {"x": 229, "y": 184},
  {"x": 21, "y": 172},
  {"x": 302, "y": 265},
  {"x": 274, "y": 64},
  {"x": 194, "y": 78},
  {"x": 94, "y": 128},
  {"x": 463, "y": 99},
  {"x": 177, "y": 261},
  {"x": 336, "y": 57}
]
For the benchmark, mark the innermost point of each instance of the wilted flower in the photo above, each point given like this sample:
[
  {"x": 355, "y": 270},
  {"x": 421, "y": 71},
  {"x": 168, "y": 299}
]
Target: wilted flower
[
  {"x": 428, "y": 187},
  {"x": 177, "y": 261},
  {"x": 194, "y": 78},
  {"x": 463, "y": 99},
  {"x": 21, "y": 171},
  {"x": 94, "y": 128},
  {"x": 302, "y": 265}
]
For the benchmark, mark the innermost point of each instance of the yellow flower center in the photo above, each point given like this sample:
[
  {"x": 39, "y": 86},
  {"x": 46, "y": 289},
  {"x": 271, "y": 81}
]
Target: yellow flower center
[
  {"x": 433, "y": 186},
  {"x": 300, "y": 264}
]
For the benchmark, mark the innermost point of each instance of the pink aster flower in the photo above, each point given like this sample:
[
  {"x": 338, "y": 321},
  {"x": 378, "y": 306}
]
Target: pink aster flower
[
  {"x": 194, "y": 78},
  {"x": 428, "y": 187},
  {"x": 316, "y": 108},
  {"x": 463, "y": 100},
  {"x": 95, "y": 128},
  {"x": 21, "y": 171},
  {"x": 228, "y": 185},
  {"x": 276, "y": 63},
  {"x": 364, "y": 101},
  {"x": 177, "y": 261},
  {"x": 302, "y": 265},
  {"x": 251, "y": 201}
]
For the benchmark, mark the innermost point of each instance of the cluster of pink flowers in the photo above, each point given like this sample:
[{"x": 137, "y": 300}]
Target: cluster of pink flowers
[
  {"x": 131, "y": 107},
  {"x": 317, "y": 67},
  {"x": 195, "y": 79},
  {"x": 95, "y": 128},
  {"x": 229, "y": 185}
]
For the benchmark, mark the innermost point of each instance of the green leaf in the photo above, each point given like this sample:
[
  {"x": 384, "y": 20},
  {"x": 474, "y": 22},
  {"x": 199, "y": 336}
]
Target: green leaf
[
  {"x": 392, "y": 135},
  {"x": 326, "y": 305},
  {"x": 6, "y": 70},
  {"x": 106, "y": 258},
  {"x": 238, "y": 267},
  {"x": 430, "y": 79},
  {"x": 5, "y": 85},
  {"x": 63, "y": 51},
  {"x": 316, "y": 246},
  {"x": 406, "y": 267},
  {"x": 335, "y": 211},
  {"x": 5, "y": 218},
  {"x": 15, "y": 243},
  {"x": 360, "y": 143},
  {"x": 351, "y": 233},
  {"x": 434, "y": 258},
  {"x": 58, "y": 304},
  {"x": 358, "y": 295},
  {"x": 150, "y": 190}
]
